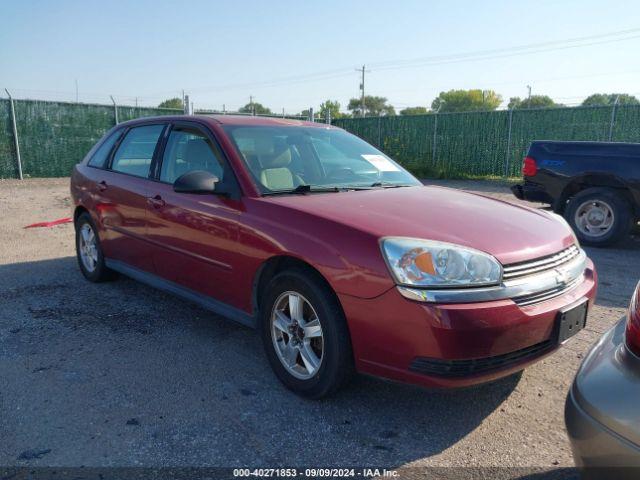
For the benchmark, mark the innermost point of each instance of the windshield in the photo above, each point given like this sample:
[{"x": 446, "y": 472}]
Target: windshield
[{"x": 282, "y": 159}]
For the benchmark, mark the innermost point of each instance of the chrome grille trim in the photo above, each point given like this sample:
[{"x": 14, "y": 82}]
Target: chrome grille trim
[
  {"x": 540, "y": 265},
  {"x": 545, "y": 295}
]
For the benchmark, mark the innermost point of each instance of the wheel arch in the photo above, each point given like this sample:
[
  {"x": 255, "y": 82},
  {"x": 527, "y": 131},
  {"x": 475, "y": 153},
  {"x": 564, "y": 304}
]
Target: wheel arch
[
  {"x": 79, "y": 210},
  {"x": 279, "y": 263},
  {"x": 585, "y": 182}
]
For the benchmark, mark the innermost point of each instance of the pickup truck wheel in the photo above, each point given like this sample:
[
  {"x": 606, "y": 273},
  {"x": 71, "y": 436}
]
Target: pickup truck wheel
[
  {"x": 305, "y": 335},
  {"x": 599, "y": 216},
  {"x": 89, "y": 252}
]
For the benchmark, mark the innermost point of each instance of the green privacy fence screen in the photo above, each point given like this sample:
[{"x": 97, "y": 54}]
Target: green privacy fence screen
[
  {"x": 450, "y": 145},
  {"x": 54, "y": 136}
]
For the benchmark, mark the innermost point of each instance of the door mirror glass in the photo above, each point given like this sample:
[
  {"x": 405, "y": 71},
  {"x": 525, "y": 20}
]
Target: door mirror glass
[{"x": 196, "y": 181}]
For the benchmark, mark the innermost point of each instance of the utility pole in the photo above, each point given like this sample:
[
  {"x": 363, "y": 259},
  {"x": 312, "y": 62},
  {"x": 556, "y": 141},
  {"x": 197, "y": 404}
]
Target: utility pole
[
  {"x": 362, "y": 106},
  {"x": 529, "y": 97},
  {"x": 251, "y": 107}
]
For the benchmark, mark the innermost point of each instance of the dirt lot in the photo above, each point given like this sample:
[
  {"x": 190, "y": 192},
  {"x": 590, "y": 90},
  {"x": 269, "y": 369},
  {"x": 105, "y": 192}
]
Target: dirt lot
[{"x": 119, "y": 374}]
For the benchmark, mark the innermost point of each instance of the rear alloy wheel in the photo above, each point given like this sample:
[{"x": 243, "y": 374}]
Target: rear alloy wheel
[
  {"x": 305, "y": 334},
  {"x": 88, "y": 248},
  {"x": 89, "y": 252},
  {"x": 594, "y": 218},
  {"x": 599, "y": 216}
]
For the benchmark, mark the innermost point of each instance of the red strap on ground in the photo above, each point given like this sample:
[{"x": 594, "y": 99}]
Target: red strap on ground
[{"x": 53, "y": 223}]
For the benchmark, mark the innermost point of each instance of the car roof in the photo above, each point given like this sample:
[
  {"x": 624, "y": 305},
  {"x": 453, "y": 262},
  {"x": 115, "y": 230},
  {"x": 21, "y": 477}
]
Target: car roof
[{"x": 240, "y": 120}]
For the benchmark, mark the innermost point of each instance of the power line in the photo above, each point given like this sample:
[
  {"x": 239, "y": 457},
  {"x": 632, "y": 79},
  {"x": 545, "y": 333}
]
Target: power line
[
  {"x": 395, "y": 63},
  {"x": 438, "y": 60},
  {"x": 528, "y": 49},
  {"x": 469, "y": 58}
]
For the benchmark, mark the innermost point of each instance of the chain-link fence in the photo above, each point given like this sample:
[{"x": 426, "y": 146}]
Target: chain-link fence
[
  {"x": 54, "y": 136},
  {"x": 450, "y": 145}
]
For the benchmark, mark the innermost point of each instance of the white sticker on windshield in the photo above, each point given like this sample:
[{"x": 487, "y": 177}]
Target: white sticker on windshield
[{"x": 381, "y": 163}]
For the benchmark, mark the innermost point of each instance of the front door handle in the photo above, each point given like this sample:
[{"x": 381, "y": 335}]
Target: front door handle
[
  {"x": 102, "y": 186},
  {"x": 156, "y": 202}
]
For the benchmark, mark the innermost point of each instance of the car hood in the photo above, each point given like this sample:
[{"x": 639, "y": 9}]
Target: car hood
[{"x": 512, "y": 233}]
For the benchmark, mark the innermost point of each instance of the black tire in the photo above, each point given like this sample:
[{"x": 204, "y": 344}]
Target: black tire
[
  {"x": 100, "y": 273},
  {"x": 622, "y": 216},
  {"x": 336, "y": 366}
]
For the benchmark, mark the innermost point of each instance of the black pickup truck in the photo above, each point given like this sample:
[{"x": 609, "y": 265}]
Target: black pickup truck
[{"x": 594, "y": 185}]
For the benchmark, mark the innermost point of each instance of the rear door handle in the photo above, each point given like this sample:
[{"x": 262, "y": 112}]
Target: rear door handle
[
  {"x": 156, "y": 202},
  {"x": 102, "y": 186}
]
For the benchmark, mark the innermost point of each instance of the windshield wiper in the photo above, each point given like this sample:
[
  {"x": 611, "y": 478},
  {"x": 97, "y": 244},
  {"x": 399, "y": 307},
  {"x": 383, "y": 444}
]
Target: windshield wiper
[
  {"x": 304, "y": 189},
  {"x": 388, "y": 185}
]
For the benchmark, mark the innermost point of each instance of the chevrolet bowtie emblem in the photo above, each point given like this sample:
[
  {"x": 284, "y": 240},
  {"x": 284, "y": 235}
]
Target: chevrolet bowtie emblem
[{"x": 562, "y": 276}]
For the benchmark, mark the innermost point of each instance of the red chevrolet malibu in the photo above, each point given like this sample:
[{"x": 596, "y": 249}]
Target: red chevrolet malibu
[{"x": 342, "y": 259}]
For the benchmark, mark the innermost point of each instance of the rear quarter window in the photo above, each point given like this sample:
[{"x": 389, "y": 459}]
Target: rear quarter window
[{"x": 100, "y": 156}]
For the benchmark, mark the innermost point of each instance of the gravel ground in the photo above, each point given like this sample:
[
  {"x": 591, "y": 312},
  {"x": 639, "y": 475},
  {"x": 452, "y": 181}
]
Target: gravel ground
[{"x": 119, "y": 374}]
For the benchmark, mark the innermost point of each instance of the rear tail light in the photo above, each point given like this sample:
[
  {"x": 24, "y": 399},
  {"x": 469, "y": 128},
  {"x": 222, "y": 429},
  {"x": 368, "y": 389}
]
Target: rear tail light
[
  {"x": 529, "y": 167},
  {"x": 633, "y": 323}
]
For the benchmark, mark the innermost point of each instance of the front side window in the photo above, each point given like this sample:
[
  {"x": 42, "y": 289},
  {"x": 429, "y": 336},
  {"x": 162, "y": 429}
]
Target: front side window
[
  {"x": 284, "y": 158},
  {"x": 135, "y": 152},
  {"x": 99, "y": 158},
  {"x": 188, "y": 150}
]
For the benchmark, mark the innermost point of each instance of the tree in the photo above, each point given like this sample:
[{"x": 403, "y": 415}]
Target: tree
[
  {"x": 172, "y": 103},
  {"x": 255, "y": 108},
  {"x": 535, "y": 101},
  {"x": 610, "y": 98},
  {"x": 466, "y": 101},
  {"x": 331, "y": 106},
  {"x": 373, "y": 106},
  {"x": 414, "y": 111}
]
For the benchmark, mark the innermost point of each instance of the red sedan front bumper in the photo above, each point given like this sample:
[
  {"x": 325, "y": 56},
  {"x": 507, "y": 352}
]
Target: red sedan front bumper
[{"x": 405, "y": 340}]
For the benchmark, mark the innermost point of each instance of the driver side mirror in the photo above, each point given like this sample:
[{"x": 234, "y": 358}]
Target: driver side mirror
[{"x": 196, "y": 181}]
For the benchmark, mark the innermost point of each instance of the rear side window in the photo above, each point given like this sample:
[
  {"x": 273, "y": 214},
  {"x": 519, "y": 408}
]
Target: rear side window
[
  {"x": 188, "y": 150},
  {"x": 135, "y": 152},
  {"x": 100, "y": 156}
]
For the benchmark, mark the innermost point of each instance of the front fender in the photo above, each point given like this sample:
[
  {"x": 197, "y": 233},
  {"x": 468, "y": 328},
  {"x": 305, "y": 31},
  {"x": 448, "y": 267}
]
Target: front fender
[{"x": 350, "y": 260}]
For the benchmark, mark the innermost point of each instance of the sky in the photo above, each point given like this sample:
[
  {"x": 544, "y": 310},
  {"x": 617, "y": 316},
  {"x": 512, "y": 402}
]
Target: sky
[{"x": 294, "y": 54}]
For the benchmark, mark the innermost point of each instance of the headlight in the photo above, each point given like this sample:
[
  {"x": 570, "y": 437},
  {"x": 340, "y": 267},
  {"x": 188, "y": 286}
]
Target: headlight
[{"x": 426, "y": 263}]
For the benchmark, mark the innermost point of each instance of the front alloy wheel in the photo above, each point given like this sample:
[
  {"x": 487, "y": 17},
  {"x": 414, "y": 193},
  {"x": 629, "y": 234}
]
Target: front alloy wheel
[
  {"x": 297, "y": 335},
  {"x": 305, "y": 334}
]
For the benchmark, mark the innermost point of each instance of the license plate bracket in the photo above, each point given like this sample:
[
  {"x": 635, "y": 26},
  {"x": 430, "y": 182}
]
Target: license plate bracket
[{"x": 570, "y": 321}]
